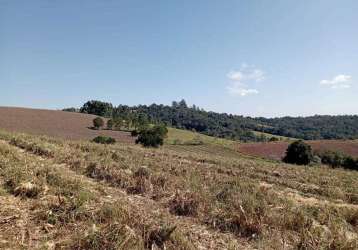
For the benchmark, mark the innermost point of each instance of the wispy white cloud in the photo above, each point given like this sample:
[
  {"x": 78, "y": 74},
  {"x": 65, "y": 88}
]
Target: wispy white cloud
[
  {"x": 240, "y": 89},
  {"x": 338, "y": 82},
  {"x": 241, "y": 79}
]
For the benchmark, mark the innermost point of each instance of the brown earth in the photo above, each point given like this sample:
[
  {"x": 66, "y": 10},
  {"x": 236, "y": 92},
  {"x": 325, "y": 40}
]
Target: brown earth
[
  {"x": 276, "y": 150},
  {"x": 54, "y": 123}
]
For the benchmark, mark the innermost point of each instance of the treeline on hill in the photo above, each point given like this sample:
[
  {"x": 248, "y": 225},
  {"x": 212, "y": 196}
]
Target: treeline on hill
[
  {"x": 312, "y": 128},
  {"x": 180, "y": 115}
]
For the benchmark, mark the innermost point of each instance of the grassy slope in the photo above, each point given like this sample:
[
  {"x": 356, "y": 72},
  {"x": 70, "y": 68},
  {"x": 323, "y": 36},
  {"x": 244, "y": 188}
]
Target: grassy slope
[
  {"x": 179, "y": 136},
  {"x": 186, "y": 136},
  {"x": 282, "y": 138},
  {"x": 225, "y": 201}
]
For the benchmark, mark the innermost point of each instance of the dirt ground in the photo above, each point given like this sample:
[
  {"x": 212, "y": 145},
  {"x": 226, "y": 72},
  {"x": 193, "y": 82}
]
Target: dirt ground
[
  {"x": 54, "y": 123},
  {"x": 276, "y": 150}
]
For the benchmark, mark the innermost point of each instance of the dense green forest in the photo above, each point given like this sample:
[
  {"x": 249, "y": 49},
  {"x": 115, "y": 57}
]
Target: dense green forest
[
  {"x": 236, "y": 127},
  {"x": 313, "y": 127}
]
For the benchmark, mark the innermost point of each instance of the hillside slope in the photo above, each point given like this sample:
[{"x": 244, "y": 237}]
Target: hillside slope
[
  {"x": 277, "y": 150},
  {"x": 54, "y": 123},
  {"x": 80, "y": 195}
]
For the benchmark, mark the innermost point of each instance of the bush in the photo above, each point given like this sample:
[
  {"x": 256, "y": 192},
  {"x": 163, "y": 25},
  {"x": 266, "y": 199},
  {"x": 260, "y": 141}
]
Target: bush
[
  {"x": 134, "y": 133},
  {"x": 110, "y": 124},
  {"x": 104, "y": 140},
  {"x": 299, "y": 153},
  {"x": 316, "y": 160},
  {"x": 350, "y": 163},
  {"x": 70, "y": 109},
  {"x": 152, "y": 137},
  {"x": 98, "y": 122},
  {"x": 337, "y": 159},
  {"x": 274, "y": 139},
  {"x": 334, "y": 159}
]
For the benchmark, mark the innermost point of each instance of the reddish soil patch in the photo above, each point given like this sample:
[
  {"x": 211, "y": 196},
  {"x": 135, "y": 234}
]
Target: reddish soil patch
[
  {"x": 54, "y": 123},
  {"x": 272, "y": 150},
  {"x": 276, "y": 150}
]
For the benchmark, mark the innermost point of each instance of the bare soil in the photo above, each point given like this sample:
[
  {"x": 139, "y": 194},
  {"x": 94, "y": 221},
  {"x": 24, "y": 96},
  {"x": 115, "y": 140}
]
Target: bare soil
[
  {"x": 276, "y": 150},
  {"x": 54, "y": 123}
]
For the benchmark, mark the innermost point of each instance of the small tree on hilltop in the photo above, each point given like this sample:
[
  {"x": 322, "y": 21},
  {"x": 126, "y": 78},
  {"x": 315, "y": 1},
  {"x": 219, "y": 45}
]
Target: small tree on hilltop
[
  {"x": 98, "y": 122},
  {"x": 299, "y": 153}
]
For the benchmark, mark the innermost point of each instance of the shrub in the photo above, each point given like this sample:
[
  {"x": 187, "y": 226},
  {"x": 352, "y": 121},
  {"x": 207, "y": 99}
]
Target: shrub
[
  {"x": 299, "y": 153},
  {"x": 316, "y": 159},
  {"x": 274, "y": 139},
  {"x": 161, "y": 130},
  {"x": 152, "y": 137},
  {"x": 98, "y": 122},
  {"x": 70, "y": 109},
  {"x": 350, "y": 163},
  {"x": 337, "y": 159},
  {"x": 110, "y": 124},
  {"x": 332, "y": 158},
  {"x": 134, "y": 133},
  {"x": 104, "y": 140}
]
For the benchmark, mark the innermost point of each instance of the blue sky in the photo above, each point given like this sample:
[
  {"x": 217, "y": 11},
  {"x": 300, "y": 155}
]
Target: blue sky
[{"x": 257, "y": 58}]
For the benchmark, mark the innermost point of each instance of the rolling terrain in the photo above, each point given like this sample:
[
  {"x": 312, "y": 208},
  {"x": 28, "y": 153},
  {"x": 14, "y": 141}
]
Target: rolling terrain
[
  {"x": 195, "y": 192},
  {"x": 63, "y": 194}
]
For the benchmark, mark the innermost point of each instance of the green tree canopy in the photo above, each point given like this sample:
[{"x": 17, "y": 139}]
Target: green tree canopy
[
  {"x": 299, "y": 153},
  {"x": 152, "y": 137},
  {"x": 98, "y": 122},
  {"x": 97, "y": 108}
]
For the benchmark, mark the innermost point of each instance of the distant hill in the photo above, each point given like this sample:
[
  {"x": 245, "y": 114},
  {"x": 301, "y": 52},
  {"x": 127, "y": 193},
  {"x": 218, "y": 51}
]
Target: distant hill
[
  {"x": 235, "y": 127},
  {"x": 76, "y": 126}
]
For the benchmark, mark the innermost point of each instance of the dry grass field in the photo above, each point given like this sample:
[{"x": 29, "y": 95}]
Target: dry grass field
[
  {"x": 63, "y": 194},
  {"x": 276, "y": 150},
  {"x": 195, "y": 192}
]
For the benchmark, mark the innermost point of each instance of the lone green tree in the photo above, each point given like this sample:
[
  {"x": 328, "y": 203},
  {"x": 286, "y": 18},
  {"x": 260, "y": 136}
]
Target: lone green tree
[
  {"x": 98, "y": 122},
  {"x": 152, "y": 137},
  {"x": 299, "y": 153}
]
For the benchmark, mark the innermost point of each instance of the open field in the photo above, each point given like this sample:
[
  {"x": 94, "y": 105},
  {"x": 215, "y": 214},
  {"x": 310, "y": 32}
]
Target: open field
[
  {"x": 62, "y": 194},
  {"x": 276, "y": 150},
  {"x": 185, "y": 137},
  {"x": 281, "y": 138},
  {"x": 60, "y": 124}
]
